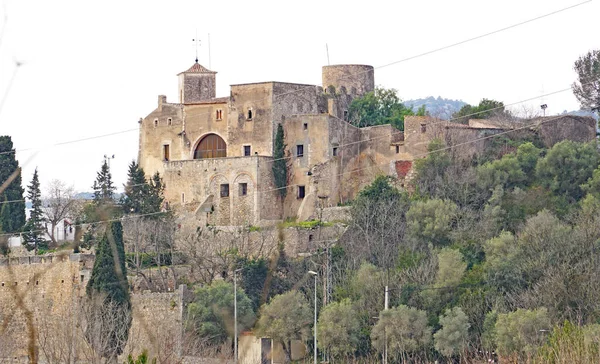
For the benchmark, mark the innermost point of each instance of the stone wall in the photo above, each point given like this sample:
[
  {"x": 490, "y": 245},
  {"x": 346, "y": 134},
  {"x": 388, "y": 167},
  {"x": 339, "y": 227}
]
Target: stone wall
[{"x": 554, "y": 129}]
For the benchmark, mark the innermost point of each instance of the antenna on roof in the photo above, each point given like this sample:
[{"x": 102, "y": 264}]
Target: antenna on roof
[
  {"x": 543, "y": 105},
  {"x": 197, "y": 44},
  {"x": 327, "y": 49},
  {"x": 209, "y": 66}
]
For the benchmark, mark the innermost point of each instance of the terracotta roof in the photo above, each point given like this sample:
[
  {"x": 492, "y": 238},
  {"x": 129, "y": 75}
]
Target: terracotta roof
[{"x": 197, "y": 68}]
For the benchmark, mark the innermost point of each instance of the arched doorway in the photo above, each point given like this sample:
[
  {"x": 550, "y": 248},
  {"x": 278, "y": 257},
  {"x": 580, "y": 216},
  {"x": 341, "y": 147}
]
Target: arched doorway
[{"x": 211, "y": 146}]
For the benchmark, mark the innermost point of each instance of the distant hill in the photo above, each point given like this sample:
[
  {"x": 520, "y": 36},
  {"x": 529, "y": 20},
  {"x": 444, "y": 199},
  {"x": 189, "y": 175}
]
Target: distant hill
[{"x": 438, "y": 107}]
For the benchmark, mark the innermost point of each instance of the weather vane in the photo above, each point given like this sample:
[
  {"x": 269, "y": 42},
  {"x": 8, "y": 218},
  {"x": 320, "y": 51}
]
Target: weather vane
[{"x": 196, "y": 44}]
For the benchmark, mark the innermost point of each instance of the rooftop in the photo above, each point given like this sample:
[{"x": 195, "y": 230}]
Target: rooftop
[{"x": 197, "y": 68}]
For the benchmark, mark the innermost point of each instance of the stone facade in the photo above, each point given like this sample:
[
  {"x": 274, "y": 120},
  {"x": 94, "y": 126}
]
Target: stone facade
[{"x": 41, "y": 300}]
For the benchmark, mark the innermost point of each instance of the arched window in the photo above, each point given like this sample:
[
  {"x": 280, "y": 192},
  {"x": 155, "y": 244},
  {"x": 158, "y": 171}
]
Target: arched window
[{"x": 211, "y": 146}]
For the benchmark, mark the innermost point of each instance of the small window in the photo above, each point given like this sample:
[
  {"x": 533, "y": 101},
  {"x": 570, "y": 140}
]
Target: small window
[
  {"x": 243, "y": 189},
  {"x": 155, "y": 123},
  {"x": 36, "y": 283},
  {"x": 169, "y": 121},
  {"x": 305, "y": 126},
  {"x": 310, "y": 237},
  {"x": 345, "y": 115},
  {"x": 397, "y": 149},
  {"x": 247, "y": 152},
  {"x": 335, "y": 151},
  {"x": 225, "y": 190},
  {"x": 249, "y": 114},
  {"x": 2, "y": 284},
  {"x": 81, "y": 277},
  {"x": 182, "y": 198},
  {"x": 300, "y": 150},
  {"x": 301, "y": 191},
  {"x": 423, "y": 128},
  {"x": 166, "y": 153},
  {"x": 219, "y": 114}
]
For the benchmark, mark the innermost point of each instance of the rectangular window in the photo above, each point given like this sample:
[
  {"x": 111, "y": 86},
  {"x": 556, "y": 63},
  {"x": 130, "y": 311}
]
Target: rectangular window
[
  {"x": 249, "y": 115},
  {"x": 300, "y": 150},
  {"x": 182, "y": 198},
  {"x": 397, "y": 149},
  {"x": 225, "y": 190},
  {"x": 334, "y": 151},
  {"x": 169, "y": 121},
  {"x": 243, "y": 189},
  {"x": 219, "y": 114},
  {"x": 423, "y": 128},
  {"x": 246, "y": 150},
  {"x": 301, "y": 191},
  {"x": 305, "y": 126},
  {"x": 345, "y": 115},
  {"x": 166, "y": 153}
]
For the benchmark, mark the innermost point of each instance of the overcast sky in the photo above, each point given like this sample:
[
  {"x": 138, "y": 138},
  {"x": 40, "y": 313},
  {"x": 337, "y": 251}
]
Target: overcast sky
[{"x": 94, "y": 68}]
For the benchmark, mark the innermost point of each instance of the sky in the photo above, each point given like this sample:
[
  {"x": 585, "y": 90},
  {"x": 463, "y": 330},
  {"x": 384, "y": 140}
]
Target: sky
[{"x": 89, "y": 69}]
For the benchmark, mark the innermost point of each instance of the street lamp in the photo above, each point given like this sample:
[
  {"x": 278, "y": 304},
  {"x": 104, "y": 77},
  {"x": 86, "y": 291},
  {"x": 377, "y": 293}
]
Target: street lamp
[
  {"x": 235, "y": 332},
  {"x": 315, "y": 274}
]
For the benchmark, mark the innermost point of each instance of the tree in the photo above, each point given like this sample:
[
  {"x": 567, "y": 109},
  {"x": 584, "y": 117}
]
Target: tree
[
  {"x": 287, "y": 317},
  {"x": 452, "y": 338},
  {"x": 379, "y": 107},
  {"x": 519, "y": 332},
  {"x": 431, "y": 170},
  {"x": 108, "y": 289},
  {"x": 567, "y": 166},
  {"x": 142, "y": 196},
  {"x": 339, "y": 329},
  {"x": 34, "y": 228},
  {"x": 279, "y": 162},
  {"x": 103, "y": 186},
  {"x": 404, "y": 329},
  {"x": 587, "y": 85},
  {"x": 431, "y": 221},
  {"x": 60, "y": 203},
  {"x": 210, "y": 315},
  {"x": 486, "y": 109},
  {"x": 12, "y": 203},
  {"x": 378, "y": 223}
]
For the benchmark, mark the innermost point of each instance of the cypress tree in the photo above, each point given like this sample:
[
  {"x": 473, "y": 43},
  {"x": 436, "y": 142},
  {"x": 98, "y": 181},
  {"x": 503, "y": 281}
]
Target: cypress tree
[
  {"x": 12, "y": 211},
  {"x": 109, "y": 281},
  {"x": 279, "y": 162},
  {"x": 34, "y": 228}
]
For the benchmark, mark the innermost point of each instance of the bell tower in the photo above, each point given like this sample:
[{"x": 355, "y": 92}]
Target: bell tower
[{"x": 196, "y": 84}]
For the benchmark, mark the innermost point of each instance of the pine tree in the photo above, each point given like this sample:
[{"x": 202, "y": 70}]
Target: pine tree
[
  {"x": 142, "y": 196},
  {"x": 108, "y": 289},
  {"x": 279, "y": 162},
  {"x": 12, "y": 211},
  {"x": 136, "y": 190},
  {"x": 34, "y": 228},
  {"x": 103, "y": 186}
]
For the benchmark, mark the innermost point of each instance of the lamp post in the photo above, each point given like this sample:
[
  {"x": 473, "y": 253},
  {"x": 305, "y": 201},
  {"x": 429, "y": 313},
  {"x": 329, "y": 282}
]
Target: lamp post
[
  {"x": 315, "y": 274},
  {"x": 235, "y": 331}
]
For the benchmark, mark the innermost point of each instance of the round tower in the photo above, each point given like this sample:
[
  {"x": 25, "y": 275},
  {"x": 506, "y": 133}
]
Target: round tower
[{"x": 357, "y": 79}]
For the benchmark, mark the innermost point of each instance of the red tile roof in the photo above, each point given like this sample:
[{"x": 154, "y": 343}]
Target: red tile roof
[{"x": 198, "y": 68}]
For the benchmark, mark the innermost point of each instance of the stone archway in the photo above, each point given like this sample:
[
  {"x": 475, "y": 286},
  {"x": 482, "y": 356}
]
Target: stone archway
[{"x": 211, "y": 146}]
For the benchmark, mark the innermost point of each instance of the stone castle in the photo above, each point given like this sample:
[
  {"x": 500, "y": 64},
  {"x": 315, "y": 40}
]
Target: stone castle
[{"x": 216, "y": 154}]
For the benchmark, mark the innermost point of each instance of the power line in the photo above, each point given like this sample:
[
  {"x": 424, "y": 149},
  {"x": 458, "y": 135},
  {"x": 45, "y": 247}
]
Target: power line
[{"x": 378, "y": 67}]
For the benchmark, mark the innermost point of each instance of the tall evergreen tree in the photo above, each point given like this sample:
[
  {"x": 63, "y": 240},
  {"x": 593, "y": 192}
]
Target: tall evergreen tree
[
  {"x": 279, "y": 162},
  {"x": 142, "y": 196},
  {"x": 108, "y": 289},
  {"x": 12, "y": 211},
  {"x": 136, "y": 190},
  {"x": 34, "y": 228},
  {"x": 103, "y": 186}
]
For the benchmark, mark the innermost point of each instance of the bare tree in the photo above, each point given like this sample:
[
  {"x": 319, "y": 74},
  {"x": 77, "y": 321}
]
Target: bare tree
[
  {"x": 60, "y": 203},
  {"x": 101, "y": 315}
]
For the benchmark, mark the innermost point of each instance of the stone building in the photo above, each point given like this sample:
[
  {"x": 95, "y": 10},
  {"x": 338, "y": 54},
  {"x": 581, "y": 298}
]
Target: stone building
[{"x": 216, "y": 154}]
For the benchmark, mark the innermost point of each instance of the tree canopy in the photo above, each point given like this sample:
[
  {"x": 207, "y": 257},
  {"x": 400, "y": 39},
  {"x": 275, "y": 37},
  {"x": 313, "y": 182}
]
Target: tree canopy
[
  {"x": 379, "y": 107},
  {"x": 586, "y": 87},
  {"x": 12, "y": 203}
]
